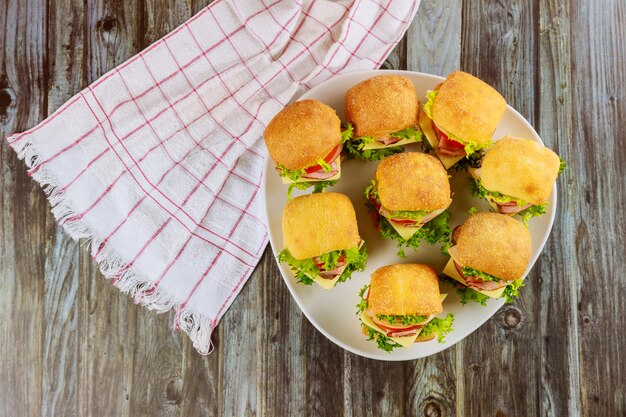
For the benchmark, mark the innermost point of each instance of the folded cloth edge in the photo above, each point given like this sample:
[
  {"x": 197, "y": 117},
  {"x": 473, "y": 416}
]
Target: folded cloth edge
[{"x": 198, "y": 327}]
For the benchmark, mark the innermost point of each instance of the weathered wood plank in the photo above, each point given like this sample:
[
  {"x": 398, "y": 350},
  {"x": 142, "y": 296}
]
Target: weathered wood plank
[
  {"x": 324, "y": 374},
  {"x": 107, "y": 319},
  {"x": 434, "y": 46},
  {"x": 23, "y": 90},
  {"x": 560, "y": 394},
  {"x": 498, "y": 46},
  {"x": 282, "y": 368},
  {"x": 239, "y": 360},
  {"x": 60, "y": 339},
  {"x": 434, "y": 37},
  {"x": 598, "y": 184},
  {"x": 65, "y": 42},
  {"x": 197, "y": 5},
  {"x": 201, "y": 386}
]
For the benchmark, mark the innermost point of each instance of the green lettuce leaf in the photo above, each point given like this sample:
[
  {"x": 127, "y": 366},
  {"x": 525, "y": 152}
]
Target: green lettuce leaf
[
  {"x": 356, "y": 259},
  {"x": 474, "y": 160},
  {"x": 354, "y": 147},
  {"x": 562, "y": 166},
  {"x": 353, "y": 151},
  {"x": 362, "y": 306},
  {"x": 411, "y": 133},
  {"x": 371, "y": 191},
  {"x": 300, "y": 267},
  {"x": 465, "y": 293},
  {"x": 471, "y": 272},
  {"x": 477, "y": 189},
  {"x": 435, "y": 231},
  {"x": 532, "y": 211},
  {"x": 511, "y": 292},
  {"x": 428, "y": 107},
  {"x": 440, "y": 327},
  {"x": 406, "y": 319},
  {"x": 383, "y": 341},
  {"x": 347, "y": 133},
  {"x": 292, "y": 175}
]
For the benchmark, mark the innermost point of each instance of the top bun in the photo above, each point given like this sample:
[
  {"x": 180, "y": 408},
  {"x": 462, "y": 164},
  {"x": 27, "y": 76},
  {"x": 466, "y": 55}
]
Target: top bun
[
  {"x": 520, "y": 168},
  {"x": 302, "y": 133},
  {"x": 404, "y": 289},
  {"x": 467, "y": 108},
  {"x": 315, "y": 224},
  {"x": 381, "y": 105},
  {"x": 413, "y": 181},
  {"x": 495, "y": 244}
]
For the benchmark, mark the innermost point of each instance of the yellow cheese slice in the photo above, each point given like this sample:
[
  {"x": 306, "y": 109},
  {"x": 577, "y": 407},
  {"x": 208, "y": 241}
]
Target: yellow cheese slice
[
  {"x": 378, "y": 145},
  {"x": 450, "y": 270},
  {"x": 406, "y": 232},
  {"x": 327, "y": 284},
  {"x": 404, "y": 341},
  {"x": 333, "y": 178},
  {"x": 431, "y": 136}
]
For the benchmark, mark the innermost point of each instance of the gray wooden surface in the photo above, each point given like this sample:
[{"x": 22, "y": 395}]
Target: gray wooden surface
[{"x": 71, "y": 344}]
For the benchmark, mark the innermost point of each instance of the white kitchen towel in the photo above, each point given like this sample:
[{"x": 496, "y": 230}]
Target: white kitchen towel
[{"x": 158, "y": 163}]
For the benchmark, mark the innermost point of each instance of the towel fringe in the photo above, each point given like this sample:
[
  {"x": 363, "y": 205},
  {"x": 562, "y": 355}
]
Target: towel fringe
[{"x": 198, "y": 327}]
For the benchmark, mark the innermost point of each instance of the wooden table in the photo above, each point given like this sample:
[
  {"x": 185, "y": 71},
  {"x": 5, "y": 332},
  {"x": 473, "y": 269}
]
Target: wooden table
[{"x": 71, "y": 344}]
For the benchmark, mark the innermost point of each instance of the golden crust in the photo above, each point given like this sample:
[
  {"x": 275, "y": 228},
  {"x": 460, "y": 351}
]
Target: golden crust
[
  {"x": 467, "y": 107},
  {"x": 413, "y": 181},
  {"x": 318, "y": 223},
  {"x": 381, "y": 105},
  {"x": 495, "y": 244},
  {"x": 302, "y": 133},
  {"x": 521, "y": 168},
  {"x": 404, "y": 289}
]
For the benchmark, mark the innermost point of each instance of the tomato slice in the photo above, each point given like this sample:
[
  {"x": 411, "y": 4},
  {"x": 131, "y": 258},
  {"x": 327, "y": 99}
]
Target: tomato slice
[
  {"x": 389, "y": 328},
  {"x": 405, "y": 222},
  {"x": 446, "y": 142},
  {"x": 328, "y": 159}
]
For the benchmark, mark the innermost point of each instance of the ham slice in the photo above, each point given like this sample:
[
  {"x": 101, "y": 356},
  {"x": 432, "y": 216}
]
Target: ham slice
[
  {"x": 511, "y": 207},
  {"x": 386, "y": 140},
  {"x": 321, "y": 174},
  {"x": 477, "y": 283},
  {"x": 444, "y": 147},
  {"x": 450, "y": 152}
]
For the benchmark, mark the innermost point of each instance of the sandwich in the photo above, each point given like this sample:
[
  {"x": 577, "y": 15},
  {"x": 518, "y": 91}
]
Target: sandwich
[
  {"x": 305, "y": 142},
  {"x": 517, "y": 177},
  {"x": 322, "y": 242},
  {"x": 488, "y": 257},
  {"x": 408, "y": 198},
  {"x": 399, "y": 307},
  {"x": 460, "y": 117},
  {"x": 382, "y": 111}
]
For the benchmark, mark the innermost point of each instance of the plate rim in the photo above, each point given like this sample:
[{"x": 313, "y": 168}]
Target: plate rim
[{"x": 268, "y": 165}]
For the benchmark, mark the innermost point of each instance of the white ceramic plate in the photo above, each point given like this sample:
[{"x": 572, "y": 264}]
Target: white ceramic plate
[{"x": 332, "y": 312}]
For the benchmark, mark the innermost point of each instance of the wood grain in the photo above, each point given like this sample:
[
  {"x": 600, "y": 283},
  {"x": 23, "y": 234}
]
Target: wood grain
[
  {"x": 560, "y": 393},
  {"x": 502, "y": 53},
  {"x": 22, "y": 210},
  {"x": 598, "y": 76},
  {"x": 66, "y": 52},
  {"x": 73, "y": 345}
]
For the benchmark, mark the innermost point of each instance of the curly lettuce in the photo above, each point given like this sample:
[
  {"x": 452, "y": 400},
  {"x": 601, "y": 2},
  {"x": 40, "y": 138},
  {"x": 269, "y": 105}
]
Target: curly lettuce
[
  {"x": 354, "y": 147},
  {"x": 435, "y": 231},
  {"x": 440, "y": 327},
  {"x": 304, "y": 269}
]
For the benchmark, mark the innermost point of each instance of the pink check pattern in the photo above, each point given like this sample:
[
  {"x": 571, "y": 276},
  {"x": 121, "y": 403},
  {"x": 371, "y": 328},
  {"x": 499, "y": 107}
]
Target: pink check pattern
[{"x": 159, "y": 162}]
